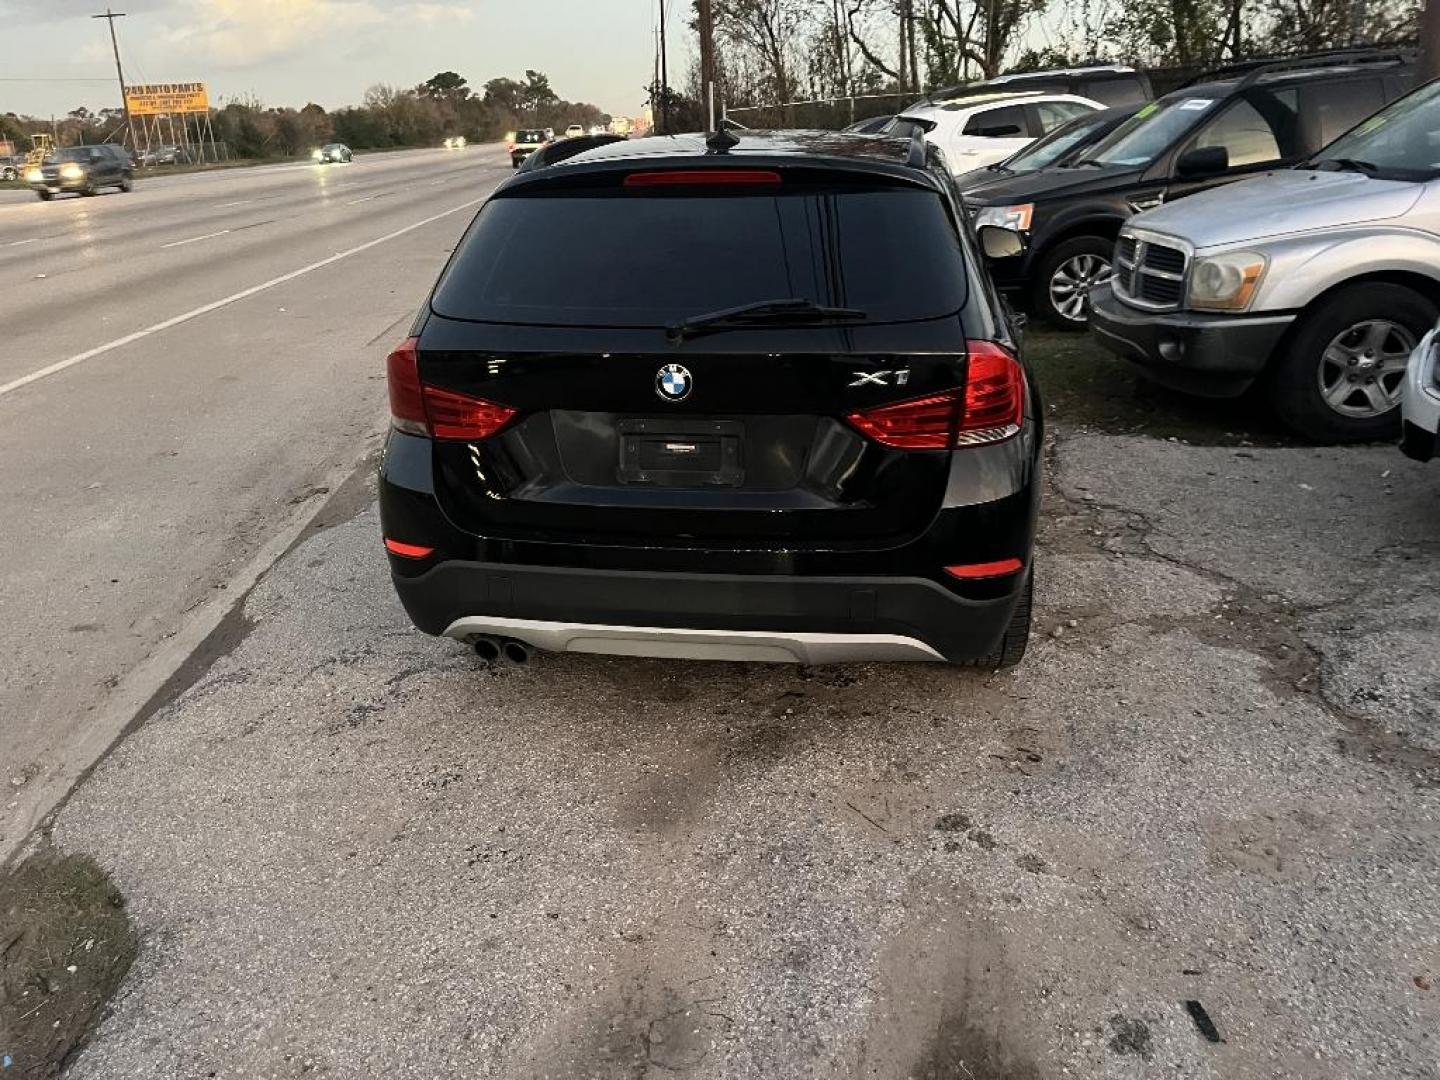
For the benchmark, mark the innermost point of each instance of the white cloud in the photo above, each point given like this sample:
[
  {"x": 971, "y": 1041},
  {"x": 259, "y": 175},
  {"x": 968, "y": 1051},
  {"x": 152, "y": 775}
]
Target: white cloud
[{"x": 231, "y": 34}]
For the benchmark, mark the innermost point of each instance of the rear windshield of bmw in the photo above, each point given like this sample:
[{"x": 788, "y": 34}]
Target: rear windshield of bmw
[
  {"x": 533, "y": 136},
  {"x": 641, "y": 261}
]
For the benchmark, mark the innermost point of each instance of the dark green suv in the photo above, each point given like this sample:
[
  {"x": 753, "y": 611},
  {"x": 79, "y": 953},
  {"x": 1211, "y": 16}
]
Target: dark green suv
[{"x": 84, "y": 170}]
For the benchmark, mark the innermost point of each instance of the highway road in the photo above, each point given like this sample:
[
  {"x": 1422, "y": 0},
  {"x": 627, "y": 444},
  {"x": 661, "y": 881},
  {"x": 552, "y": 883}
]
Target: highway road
[{"x": 185, "y": 372}]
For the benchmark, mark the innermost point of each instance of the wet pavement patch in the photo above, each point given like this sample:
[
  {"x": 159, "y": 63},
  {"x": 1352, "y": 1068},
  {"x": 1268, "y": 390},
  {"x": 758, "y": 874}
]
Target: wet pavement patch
[
  {"x": 65, "y": 946},
  {"x": 1131, "y": 1036}
]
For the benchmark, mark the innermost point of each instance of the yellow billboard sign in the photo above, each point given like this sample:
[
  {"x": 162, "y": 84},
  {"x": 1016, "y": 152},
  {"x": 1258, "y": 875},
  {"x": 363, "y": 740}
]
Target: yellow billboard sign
[{"x": 160, "y": 99}]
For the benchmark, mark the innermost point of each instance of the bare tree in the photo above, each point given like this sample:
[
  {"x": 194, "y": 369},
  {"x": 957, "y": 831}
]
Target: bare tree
[{"x": 771, "y": 32}]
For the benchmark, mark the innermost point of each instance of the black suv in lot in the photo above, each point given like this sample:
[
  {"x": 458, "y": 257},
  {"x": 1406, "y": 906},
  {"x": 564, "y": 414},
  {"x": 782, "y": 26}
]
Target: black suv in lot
[
  {"x": 1065, "y": 218},
  {"x": 691, "y": 398},
  {"x": 84, "y": 170}
]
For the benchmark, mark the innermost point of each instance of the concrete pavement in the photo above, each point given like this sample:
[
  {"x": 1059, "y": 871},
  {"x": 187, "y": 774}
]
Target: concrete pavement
[
  {"x": 355, "y": 851},
  {"x": 185, "y": 371}
]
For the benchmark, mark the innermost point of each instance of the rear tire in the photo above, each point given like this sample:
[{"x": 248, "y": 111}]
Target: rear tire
[
  {"x": 1011, "y": 649},
  {"x": 45, "y": 196},
  {"x": 1317, "y": 362},
  {"x": 127, "y": 184},
  {"x": 1065, "y": 276}
]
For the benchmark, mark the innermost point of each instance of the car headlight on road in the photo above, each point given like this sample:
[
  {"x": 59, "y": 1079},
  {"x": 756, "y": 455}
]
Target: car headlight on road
[
  {"x": 1015, "y": 218},
  {"x": 34, "y": 176},
  {"x": 1226, "y": 282},
  {"x": 71, "y": 171},
  {"x": 317, "y": 155}
]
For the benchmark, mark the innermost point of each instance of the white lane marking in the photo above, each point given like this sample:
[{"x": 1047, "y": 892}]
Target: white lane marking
[
  {"x": 367, "y": 198},
  {"x": 244, "y": 294},
  {"x": 197, "y": 239},
  {"x": 237, "y": 202},
  {"x": 22, "y": 243}
]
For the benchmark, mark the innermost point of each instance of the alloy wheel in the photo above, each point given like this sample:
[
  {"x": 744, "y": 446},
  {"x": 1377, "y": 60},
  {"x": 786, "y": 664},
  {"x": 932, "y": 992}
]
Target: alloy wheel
[
  {"x": 1362, "y": 370},
  {"x": 1072, "y": 281}
]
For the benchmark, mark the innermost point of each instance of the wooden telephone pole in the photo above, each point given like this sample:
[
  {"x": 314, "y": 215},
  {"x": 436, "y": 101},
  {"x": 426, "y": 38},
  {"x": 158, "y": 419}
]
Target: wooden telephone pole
[
  {"x": 707, "y": 61},
  {"x": 110, "y": 17},
  {"x": 664, "y": 77},
  {"x": 1430, "y": 40}
]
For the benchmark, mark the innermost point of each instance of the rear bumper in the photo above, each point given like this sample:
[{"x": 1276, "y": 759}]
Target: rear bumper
[
  {"x": 726, "y": 601},
  {"x": 707, "y": 616},
  {"x": 1210, "y": 355}
]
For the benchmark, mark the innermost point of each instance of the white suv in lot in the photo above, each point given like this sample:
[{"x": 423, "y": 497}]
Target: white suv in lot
[
  {"x": 1314, "y": 284},
  {"x": 976, "y": 131}
]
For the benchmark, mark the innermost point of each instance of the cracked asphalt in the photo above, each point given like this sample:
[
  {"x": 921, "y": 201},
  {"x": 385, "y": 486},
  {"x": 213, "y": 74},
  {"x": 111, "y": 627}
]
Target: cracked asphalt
[{"x": 351, "y": 850}]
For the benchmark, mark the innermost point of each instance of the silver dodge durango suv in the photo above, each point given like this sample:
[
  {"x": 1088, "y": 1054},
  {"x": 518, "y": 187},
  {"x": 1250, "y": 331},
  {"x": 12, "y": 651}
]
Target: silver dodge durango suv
[{"x": 1314, "y": 283}]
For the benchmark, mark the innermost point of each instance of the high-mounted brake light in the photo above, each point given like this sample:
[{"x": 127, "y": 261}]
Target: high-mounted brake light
[
  {"x": 419, "y": 409},
  {"x": 988, "y": 410},
  {"x": 707, "y": 177}
]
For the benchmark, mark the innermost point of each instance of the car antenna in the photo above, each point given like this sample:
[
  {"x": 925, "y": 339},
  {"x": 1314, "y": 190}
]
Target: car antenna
[
  {"x": 721, "y": 141},
  {"x": 916, "y": 157}
]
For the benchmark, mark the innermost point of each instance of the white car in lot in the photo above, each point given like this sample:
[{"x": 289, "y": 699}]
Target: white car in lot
[
  {"x": 980, "y": 130},
  {"x": 1420, "y": 400}
]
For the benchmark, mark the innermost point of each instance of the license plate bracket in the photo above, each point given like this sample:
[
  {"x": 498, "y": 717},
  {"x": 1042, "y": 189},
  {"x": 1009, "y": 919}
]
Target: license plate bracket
[{"x": 681, "y": 453}]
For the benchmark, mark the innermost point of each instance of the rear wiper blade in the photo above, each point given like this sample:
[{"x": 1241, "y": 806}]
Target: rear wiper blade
[
  {"x": 792, "y": 308},
  {"x": 1346, "y": 164}
]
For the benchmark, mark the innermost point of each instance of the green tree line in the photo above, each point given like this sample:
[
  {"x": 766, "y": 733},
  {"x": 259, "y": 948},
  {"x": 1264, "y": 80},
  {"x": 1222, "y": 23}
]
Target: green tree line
[{"x": 389, "y": 116}]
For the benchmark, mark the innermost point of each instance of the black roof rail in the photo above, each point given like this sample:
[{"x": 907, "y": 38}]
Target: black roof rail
[{"x": 1251, "y": 71}]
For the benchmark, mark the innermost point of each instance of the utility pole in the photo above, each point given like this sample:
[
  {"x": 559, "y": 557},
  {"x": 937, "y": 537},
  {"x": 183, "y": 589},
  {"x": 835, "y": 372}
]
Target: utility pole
[
  {"x": 664, "y": 77},
  {"x": 707, "y": 60},
  {"x": 1430, "y": 40},
  {"x": 110, "y": 17}
]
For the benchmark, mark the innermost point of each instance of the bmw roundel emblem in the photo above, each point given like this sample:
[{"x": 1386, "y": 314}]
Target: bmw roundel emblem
[{"x": 673, "y": 382}]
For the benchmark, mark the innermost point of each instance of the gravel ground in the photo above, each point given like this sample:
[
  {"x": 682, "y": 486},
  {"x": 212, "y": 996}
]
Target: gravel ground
[{"x": 354, "y": 851}]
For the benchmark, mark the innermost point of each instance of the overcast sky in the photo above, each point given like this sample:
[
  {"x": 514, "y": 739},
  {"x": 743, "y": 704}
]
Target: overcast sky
[{"x": 289, "y": 52}]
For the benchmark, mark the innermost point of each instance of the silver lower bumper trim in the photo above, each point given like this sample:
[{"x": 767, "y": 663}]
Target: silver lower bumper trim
[{"x": 766, "y": 646}]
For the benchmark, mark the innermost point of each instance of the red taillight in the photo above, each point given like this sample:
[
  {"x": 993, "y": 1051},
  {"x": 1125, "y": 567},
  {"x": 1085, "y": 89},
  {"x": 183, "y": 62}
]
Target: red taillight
[
  {"x": 408, "y": 551},
  {"x": 407, "y": 402},
  {"x": 712, "y": 177},
  {"x": 459, "y": 416},
  {"x": 441, "y": 414},
  {"x": 994, "y": 395},
  {"x": 926, "y": 423},
  {"x": 982, "y": 570},
  {"x": 988, "y": 410}
]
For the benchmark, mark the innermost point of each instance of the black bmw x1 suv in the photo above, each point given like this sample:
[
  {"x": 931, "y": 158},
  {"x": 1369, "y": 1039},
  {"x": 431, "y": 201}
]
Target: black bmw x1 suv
[{"x": 683, "y": 397}]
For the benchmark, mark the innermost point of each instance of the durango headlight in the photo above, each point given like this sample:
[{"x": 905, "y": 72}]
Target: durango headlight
[
  {"x": 1015, "y": 218},
  {"x": 71, "y": 171},
  {"x": 1226, "y": 282},
  {"x": 34, "y": 176},
  {"x": 317, "y": 155}
]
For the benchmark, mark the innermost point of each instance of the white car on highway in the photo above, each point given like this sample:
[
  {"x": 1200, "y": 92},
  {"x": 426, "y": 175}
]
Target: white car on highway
[
  {"x": 1420, "y": 400},
  {"x": 980, "y": 130}
]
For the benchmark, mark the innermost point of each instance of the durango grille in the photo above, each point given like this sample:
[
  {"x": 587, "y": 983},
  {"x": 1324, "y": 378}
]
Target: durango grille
[{"x": 1150, "y": 274}]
